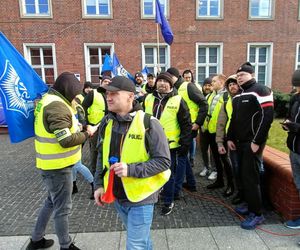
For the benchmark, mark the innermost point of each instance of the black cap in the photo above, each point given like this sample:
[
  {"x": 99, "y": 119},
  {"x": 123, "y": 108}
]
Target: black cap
[
  {"x": 246, "y": 67},
  {"x": 207, "y": 80},
  {"x": 296, "y": 78},
  {"x": 88, "y": 84},
  {"x": 173, "y": 71},
  {"x": 119, "y": 83},
  {"x": 106, "y": 77},
  {"x": 138, "y": 74}
]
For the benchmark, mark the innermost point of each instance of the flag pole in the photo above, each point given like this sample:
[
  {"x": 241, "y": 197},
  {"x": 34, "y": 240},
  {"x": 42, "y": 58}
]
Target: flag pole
[{"x": 157, "y": 39}]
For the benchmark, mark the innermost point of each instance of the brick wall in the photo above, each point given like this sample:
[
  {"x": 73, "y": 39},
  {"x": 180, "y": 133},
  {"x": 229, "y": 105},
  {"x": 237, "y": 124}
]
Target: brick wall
[{"x": 127, "y": 31}]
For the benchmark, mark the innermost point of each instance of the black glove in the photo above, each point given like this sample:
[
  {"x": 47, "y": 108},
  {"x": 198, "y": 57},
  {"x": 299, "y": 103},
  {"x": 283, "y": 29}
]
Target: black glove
[{"x": 183, "y": 151}]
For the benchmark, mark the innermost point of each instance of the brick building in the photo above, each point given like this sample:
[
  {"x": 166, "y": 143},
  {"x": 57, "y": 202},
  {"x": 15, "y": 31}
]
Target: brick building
[{"x": 209, "y": 36}]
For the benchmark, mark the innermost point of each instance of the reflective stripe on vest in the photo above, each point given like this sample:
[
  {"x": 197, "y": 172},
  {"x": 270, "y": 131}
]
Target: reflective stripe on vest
[
  {"x": 168, "y": 118},
  {"x": 228, "y": 109},
  {"x": 49, "y": 153},
  {"x": 97, "y": 110},
  {"x": 133, "y": 150},
  {"x": 193, "y": 107}
]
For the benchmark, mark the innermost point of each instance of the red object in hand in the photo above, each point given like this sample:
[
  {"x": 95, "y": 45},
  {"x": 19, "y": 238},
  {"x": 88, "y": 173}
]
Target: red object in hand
[{"x": 108, "y": 196}]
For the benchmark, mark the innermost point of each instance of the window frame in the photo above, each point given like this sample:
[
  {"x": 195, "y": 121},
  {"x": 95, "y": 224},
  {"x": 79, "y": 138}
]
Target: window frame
[
  {"x": 272, "y": 12},
  {"x": 220, "y": 17},
  {"x": 219, "y": 45},
  {"x": 96, "y": 16},
  {"x": 269, "y": 64},
  {"x": 297, "y": 54},
  {"x": 24, "y": 15},
  {"x": 167, "y": 10},
  {"x": 154, "y": 45},
  {"x": 27, "y": 55},
  {"x": 87, "y": 46}
]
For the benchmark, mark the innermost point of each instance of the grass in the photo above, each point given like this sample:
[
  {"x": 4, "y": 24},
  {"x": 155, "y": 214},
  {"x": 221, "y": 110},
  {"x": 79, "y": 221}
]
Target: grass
[{"x": 277, "y": 136}]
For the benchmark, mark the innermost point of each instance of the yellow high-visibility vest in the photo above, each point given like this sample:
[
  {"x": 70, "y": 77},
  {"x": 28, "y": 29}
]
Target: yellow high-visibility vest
[{"x": 96, "y": 111}]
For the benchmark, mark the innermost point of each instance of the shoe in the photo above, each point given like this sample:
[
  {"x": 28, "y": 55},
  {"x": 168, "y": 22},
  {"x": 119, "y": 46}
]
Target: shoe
[
  {"x": 252, "y": 221},
  {"x": 189, "y": 188},
  {"x": 228, "y": 191},
  {"x": 71, "y": 247},
  {"x": 242, "y": 209},
  {"x": 213, "y": 175},
  {"x": 167, "y": 209},
  {"x": 293, "y": 224},
  {"x": 41, "y": 244},
  {"x": 75, "y": 189},
  {"x": 215, "y": 185},
  {"x": 236, "y": 199},
  {"x": 204, "y": 172}
]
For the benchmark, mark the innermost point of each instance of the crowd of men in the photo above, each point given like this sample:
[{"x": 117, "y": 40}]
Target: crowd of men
[{"x": 142, "y": 140}]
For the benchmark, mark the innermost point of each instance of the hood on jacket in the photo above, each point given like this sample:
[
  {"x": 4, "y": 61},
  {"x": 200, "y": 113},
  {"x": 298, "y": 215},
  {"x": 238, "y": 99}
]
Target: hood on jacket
[{"x": 67, "y": 85}]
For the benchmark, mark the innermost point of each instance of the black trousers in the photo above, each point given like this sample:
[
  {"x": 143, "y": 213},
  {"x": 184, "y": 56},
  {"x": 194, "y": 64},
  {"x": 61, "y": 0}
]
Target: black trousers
[{"x": 250, "y": 164}]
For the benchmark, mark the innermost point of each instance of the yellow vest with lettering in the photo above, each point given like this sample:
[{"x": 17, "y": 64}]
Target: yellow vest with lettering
[
  {"x": 97, "y": 110},
  {"x": 193, "y": 107},
  {"x": 134, "y": 151},
  {"x": 168, "y": 118},
  {"x": 50, "y": 154}
]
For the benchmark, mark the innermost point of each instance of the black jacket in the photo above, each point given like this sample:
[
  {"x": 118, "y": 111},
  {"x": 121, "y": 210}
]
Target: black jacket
[
  {"x": 183, "y": 117},
  {"x": 197, "y": 97},
  {"x": 293, "y": 139},
  {"x": 252, "y": 114}
]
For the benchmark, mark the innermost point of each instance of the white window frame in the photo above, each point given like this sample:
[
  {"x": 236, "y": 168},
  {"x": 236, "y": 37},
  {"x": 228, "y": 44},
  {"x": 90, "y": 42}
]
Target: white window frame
[
  {"x": 221, "y": 11},
  {"x": 154, "y": 46},
  {"x": 96, "y": 16},
  {"x": 270, "y": 17},
  {"x": 166, "y": 10},
  {"x": 269, "y": 64},
  {"x": 23, "y": 13},
  {"x": 87, "y": 56},
  {"x": 28, "y": 46},
  {"x": 207, "y": 65},
  {"x": 297, "y": 54}
]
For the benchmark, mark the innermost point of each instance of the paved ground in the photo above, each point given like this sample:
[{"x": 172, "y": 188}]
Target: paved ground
[{"x": 22, "y": 194}]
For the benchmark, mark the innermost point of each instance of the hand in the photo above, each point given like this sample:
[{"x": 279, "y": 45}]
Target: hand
[
  {"x": 91, "y": 129},
  {"x": 231, "y": 145},
  {"x": 195, "y": 126},
  {"x": 120, "y": 169},
  {"x": 254, "y": 147},
  {"x": 221, "y": 150},
  {"x": 97, "y": 195}
]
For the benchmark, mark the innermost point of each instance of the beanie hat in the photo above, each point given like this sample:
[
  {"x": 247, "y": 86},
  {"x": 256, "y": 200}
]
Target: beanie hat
[
  {"x": 166, "y": 76},
  {"x": 173, "y": 71},
  {"x": 207, "y": 80},
  {"x": 296, "y": 78},
  {"x": 138, "y": 74},
  {"x": 246, "y": 67},
  {"x": 230, "y": 79}
]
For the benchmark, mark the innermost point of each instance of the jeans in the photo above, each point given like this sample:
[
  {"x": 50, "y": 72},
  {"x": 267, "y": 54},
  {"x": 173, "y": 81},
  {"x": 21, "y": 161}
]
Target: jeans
[
  {"x": 295, "y": 162},
  {"x": 86, "y": 173},
  {"x": 59, "y": 186},
  {"x": 192, "y": 149},
  {"x": 137, "y": 221},
  {"x": 169, "y": 187}
]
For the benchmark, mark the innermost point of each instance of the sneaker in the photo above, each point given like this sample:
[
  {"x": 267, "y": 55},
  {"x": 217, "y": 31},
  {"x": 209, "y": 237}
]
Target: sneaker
[
  {"x": 167, "y": 209},
  {"x": 71, "y": 247},
  {"x": 41, "y": 244},
  {"x": 252, "y": 221},
  {"x": 242, "y": 209},
  {"x": 293, "y": 224},
  {"x": 204, "y": 172},
  {"x": 213, "y": 175}
]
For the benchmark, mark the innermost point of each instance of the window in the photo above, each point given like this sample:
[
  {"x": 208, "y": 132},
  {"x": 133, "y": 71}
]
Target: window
[
  {"x": 297, "y": 66},
  {"x": 261, "y": 9},
  {"x": 97, "y": 8},
  {"x": 148, "y": 8},
  {"x": 35, "y": 8},
  {"x": 260, "y": 56},
  {"x": 94, "y": 59},
  {"x": 150, "y": 57},
  {"x": 209, "y": 9},
  {"x": 208, "y": 60},
  {"x": 42, "y": 59}
]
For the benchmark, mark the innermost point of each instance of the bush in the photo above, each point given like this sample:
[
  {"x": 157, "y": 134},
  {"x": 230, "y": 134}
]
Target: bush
[{"x": 281, "y": 103}]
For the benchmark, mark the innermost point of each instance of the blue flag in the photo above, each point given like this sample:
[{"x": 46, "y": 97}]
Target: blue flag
[
  {"x": 119, "y": 70},
  {"x": 160, "y": 18},
  {"x": 2, "y": 117},
  {"x": 20, "y": 86},
  {"x": 145, "y": 72},
  {"x": 107, "y": 65}
]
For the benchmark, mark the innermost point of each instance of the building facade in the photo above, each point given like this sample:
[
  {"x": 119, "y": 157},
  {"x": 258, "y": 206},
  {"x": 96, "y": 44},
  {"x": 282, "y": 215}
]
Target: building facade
[{"x": 210, "y": 36}]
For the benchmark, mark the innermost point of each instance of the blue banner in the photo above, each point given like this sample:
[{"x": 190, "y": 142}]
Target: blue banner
[
  {"x": 119, "y": 70},
  {"x": 160, "y": 18},
  {"x": 2, "y": 116},
  {"x": 107, "y": 65},
  {"x": 20, "y": 86}
]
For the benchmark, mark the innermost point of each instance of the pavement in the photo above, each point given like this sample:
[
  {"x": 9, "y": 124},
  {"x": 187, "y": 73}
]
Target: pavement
[{"x": 201, "y": 220}]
